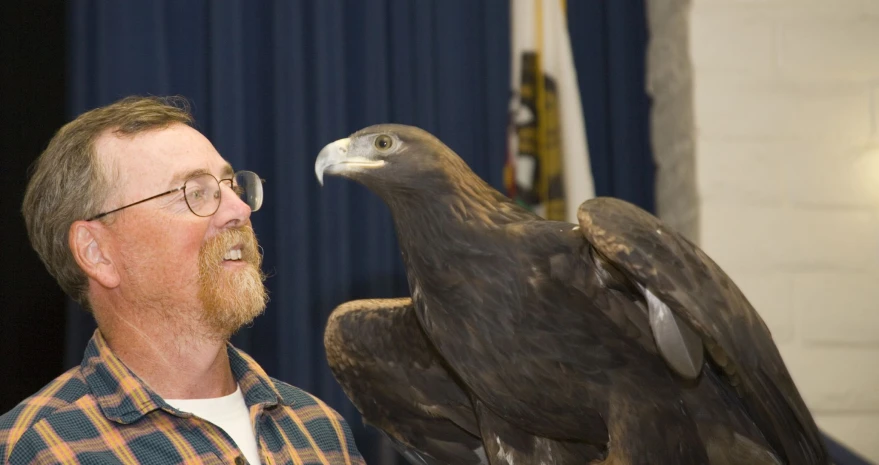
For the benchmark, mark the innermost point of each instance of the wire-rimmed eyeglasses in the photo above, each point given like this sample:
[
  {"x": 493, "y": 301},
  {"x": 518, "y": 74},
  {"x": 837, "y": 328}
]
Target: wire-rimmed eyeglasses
[{"x": 203, "y": 195}]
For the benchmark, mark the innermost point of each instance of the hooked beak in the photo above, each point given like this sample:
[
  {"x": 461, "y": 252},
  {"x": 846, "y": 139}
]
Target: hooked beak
[{"x": 334, "y": 159}]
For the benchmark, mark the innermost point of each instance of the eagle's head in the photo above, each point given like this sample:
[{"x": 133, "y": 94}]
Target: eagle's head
[{"x": 393, "y": 158}]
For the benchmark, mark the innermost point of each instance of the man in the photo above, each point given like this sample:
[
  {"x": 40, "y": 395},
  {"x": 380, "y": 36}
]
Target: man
[{"x": 141, "y": 221}]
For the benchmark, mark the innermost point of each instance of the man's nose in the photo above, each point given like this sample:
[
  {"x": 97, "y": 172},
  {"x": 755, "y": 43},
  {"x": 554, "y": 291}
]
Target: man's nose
[{"x": 232, "y": 211}]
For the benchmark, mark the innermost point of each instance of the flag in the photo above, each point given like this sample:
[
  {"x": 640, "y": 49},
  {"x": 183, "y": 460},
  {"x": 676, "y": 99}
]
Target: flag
[{"x": 547, "y": 168}]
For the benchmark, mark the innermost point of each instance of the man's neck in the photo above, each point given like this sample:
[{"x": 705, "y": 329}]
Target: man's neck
[{"x": 175, "y": 360}]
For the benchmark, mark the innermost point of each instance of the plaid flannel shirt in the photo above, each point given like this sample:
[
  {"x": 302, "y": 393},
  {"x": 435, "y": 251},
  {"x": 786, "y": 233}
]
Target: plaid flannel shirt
[{"x": 101, "y": 413}]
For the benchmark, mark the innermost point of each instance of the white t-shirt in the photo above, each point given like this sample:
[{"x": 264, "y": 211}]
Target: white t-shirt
[{"x": 228, "y": 412}]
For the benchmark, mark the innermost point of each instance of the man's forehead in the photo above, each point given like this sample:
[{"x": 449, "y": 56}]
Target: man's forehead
[
  {"x": 182, "y": 175},
  {"x": 168, "y": 156}
]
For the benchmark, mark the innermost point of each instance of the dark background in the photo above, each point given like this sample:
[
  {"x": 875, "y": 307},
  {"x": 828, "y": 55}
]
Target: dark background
[{"x": 33, "y": 108}]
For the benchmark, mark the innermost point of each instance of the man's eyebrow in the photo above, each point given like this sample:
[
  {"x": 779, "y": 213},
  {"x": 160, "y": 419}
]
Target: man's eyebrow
[
  {"x": 227, "y": 171},
  {"x": 179, "y": 178}
]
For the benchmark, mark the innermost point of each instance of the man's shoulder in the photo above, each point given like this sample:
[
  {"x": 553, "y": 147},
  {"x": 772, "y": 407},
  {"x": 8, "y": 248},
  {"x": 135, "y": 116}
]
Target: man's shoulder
[
  {"x": 56, "y": 396},
  {"x": 328, "y": 427},
  {"x": 300, "y": 399}
]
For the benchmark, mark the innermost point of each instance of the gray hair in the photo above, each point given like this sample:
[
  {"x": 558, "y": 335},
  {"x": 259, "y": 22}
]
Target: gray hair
[{"x": 70, "y": 183}]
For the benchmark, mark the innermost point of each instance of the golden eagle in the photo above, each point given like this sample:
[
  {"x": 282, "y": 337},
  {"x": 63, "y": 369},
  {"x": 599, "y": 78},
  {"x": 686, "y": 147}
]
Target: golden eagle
[{"x": 527, "y": 341}]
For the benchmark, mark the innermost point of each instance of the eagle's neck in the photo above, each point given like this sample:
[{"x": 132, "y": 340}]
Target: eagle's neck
[
  {"x": 440, "y": 207},
  {"x": 446, "y": 219}
]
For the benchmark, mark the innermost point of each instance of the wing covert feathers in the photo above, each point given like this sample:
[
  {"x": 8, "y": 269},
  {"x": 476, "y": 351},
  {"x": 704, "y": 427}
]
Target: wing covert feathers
[
  {"x": 699, "y": 292},
  {"x": 385, "y": 365}
]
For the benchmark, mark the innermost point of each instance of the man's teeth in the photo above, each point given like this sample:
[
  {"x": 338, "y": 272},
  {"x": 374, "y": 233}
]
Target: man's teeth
[{"x": 233, "y": 255}]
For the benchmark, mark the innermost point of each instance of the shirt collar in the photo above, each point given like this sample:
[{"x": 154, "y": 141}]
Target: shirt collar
[
  {"x": 256, "y": 385},
  {"x": 124, "y": 398}
]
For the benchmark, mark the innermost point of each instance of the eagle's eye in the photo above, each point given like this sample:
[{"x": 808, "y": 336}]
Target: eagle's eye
[{"x": 383, "y": 142}]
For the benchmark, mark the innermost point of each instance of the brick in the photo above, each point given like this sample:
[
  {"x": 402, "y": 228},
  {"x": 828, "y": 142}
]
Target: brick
[
  {"x": 770, "y": 294},
  {"x": 856, "y": 431},
  {"x": 759, "y": 238},
  {"x": 748, "y": 108},
  {"x": 834, "y": 379},
  {"x": 792, "y": 8},
  {"x": 828, "y": 177},
  {"x": 832, "y": 48},
  {"x": 744, "y": 238},
  {"x": 838, "y": 308},
  {"x": 741, "y": 171},
  {"x": 830, "y": 239},
  {"x": 731, "y": 4},
  {"x": 820, "y": 9},
  {"x": 738, "y": 40}
]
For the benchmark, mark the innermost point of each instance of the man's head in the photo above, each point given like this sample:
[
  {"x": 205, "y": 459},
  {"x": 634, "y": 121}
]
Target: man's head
[{"x": 158, "y": 253}]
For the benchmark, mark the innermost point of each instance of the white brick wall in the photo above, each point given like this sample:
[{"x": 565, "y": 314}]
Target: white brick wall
[{"x": 785, "y": 131}]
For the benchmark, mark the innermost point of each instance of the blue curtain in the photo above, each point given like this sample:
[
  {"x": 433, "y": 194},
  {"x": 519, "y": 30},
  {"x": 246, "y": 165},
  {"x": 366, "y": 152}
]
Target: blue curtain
[
  {"x": 609, "y": 44},
  {"x": 271, "y": 82}
]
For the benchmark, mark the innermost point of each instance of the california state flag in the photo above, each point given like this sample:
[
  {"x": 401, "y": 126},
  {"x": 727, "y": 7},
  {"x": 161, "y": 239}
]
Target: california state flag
[{"x": 548, "y": 167}]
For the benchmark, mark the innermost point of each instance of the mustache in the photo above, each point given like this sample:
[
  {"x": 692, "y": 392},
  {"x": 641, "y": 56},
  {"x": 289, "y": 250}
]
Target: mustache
[{"x": 213, "y": 251}]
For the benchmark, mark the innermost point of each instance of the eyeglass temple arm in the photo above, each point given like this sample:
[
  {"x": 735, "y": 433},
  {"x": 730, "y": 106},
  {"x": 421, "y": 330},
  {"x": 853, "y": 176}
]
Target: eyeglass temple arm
[{"x": 133, "y": 204}]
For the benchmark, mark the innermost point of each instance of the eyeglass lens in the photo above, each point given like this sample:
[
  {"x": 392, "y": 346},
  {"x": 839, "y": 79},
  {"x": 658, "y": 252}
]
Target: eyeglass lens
[{"x": 203, "y": 193}]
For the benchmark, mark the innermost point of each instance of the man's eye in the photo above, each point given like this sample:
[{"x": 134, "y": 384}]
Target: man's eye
[{"x": 196, "y": 194}]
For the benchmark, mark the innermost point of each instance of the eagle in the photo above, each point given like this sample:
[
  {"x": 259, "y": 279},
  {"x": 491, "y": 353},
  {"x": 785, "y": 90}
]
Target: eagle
[{"x": 526, "y": 341}]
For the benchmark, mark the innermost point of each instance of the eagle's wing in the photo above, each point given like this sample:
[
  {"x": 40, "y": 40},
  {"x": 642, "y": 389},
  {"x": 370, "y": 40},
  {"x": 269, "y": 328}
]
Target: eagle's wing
[
  {"x": 385, "y": 365},
  {"x": 700, "y": 299},
  {"x": 528, "y": 328}
]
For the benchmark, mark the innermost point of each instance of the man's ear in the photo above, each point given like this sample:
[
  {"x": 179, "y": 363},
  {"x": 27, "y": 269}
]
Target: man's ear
[{"x": 88, "y": 242}]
